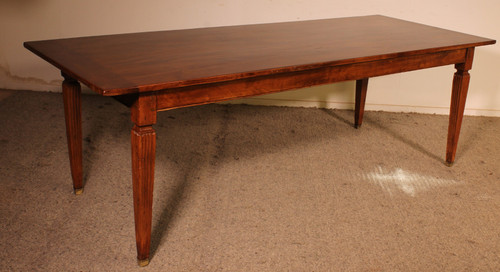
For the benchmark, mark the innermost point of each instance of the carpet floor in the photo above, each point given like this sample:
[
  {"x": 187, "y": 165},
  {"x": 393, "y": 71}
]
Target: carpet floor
[{"x": 249, "y": 188}]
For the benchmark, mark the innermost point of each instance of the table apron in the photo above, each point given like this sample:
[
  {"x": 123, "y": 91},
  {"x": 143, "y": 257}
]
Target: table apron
[{"x": 246, "y": 87}]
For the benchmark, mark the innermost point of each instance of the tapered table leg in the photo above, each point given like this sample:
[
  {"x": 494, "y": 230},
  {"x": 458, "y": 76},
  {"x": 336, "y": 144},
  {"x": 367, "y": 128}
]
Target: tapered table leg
[
  {"x": 143, "y": 164},
  {"x": 143, "y": 138},
  {"x": 361, "y": 88},
  {"x": 458, "y": 97},
  {"x": 72, "y": 112}
]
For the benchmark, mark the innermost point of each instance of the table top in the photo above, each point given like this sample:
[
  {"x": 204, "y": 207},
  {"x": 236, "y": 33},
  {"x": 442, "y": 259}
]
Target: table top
[{"x": 152, "y": 61}]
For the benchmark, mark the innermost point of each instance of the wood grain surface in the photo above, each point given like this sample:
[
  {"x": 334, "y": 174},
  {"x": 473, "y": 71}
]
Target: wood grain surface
[{"x": 151, "y": 61}]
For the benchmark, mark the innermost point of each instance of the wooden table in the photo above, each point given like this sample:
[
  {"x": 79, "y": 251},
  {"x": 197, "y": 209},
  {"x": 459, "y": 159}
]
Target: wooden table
[{"x": 156, "y": 71}]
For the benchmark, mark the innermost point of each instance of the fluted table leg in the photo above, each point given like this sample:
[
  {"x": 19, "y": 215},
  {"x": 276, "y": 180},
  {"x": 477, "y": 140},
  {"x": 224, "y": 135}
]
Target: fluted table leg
[
  {"x": 458, "y": 97},
  {"x": 143, "y": 138}
]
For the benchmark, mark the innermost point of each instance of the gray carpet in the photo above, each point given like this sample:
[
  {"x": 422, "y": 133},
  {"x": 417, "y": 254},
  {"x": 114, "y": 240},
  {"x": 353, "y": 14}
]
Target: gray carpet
[{"x": 247, "y": 188}]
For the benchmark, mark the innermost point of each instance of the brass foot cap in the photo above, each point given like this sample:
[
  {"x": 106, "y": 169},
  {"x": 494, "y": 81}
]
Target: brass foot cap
[
  {"x": 449, "y": 164},
  {"x": 143, "y": 263},
  {"x": 78, "y": 191}
]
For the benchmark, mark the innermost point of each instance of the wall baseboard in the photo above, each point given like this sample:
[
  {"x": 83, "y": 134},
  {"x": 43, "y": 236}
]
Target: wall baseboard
[{"x": 368, "y": 106}]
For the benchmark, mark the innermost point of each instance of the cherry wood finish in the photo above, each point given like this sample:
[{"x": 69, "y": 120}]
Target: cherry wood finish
[
  {"x": 73, "y": 115},
  {"x": 155, "y": 71}
]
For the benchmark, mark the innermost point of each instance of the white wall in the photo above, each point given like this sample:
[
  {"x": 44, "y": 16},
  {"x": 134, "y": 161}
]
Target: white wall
[{"x": 420, "y": 91}]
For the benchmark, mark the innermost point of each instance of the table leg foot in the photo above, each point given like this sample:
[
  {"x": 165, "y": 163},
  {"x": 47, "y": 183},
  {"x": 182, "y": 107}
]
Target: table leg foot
[
  {"x": 79, "y": 191},
  {"x": 143, "y": 263}
]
